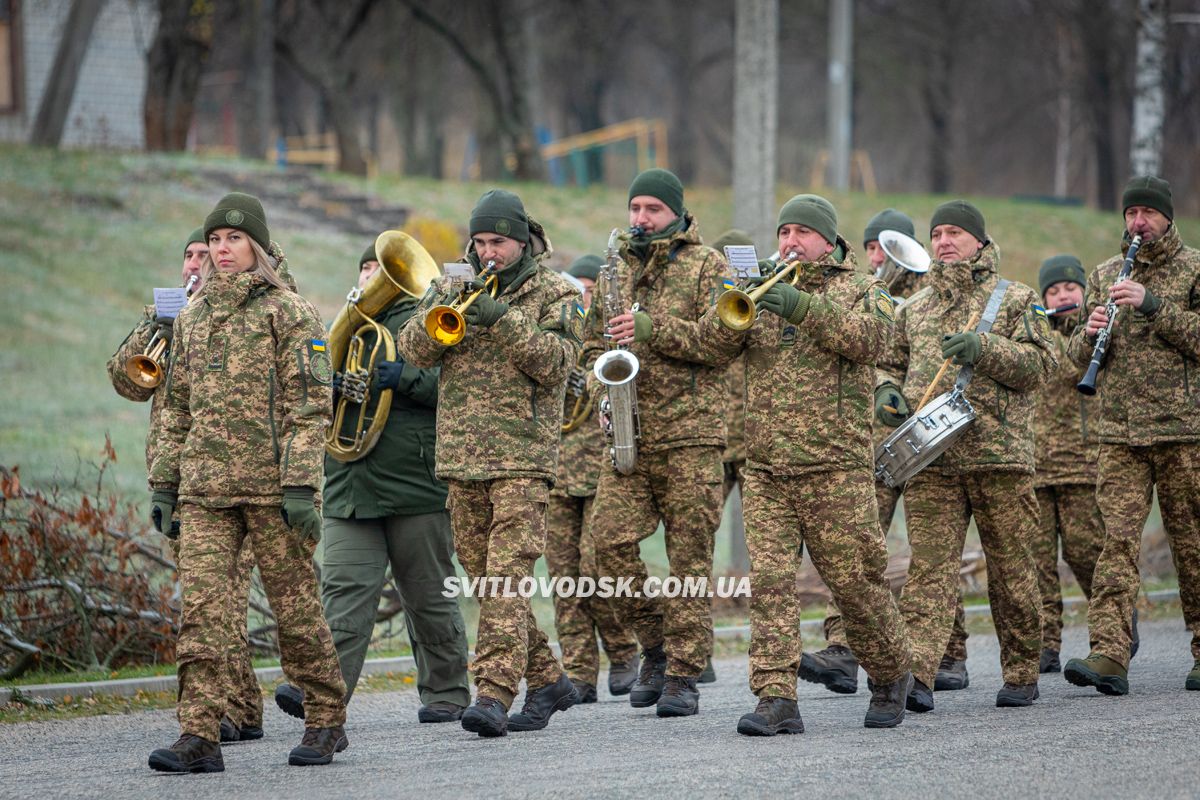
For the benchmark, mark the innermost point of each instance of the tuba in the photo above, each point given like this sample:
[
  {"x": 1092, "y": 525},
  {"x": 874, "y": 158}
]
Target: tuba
[
  {"x": 578, "y": 406},
  {"x": 404, "y": 268},
  {"x": 146, "y": 368},
  {"x": 903, "y": 253},
  {"x": 617, "y": 369}
]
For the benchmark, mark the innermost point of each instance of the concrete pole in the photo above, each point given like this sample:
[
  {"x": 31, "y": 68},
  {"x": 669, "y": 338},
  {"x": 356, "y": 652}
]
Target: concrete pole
[
  {"x": 755, "y": 119},
  {"x": 841, "y": 79}
]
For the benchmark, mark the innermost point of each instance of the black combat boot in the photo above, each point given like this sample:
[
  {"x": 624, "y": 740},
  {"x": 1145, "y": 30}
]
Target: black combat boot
[
  {"x": 189, "y": 754},
  {"x": 1192, "y": 681},
  {"x": 586, "y": 692},
  {"x": 487, "y": 717},
  {"x": 229, "y": 731},
  {"x": 650, "y": 680},
  {"x": 1049, "y": 662},
  {"x": 540, "y": 703},
  {"x": 622, "y": 675},
  {"x": 709, "y": 675},
  {"x": 248, "y": 733},
  {"x": 1015, "y": 695},
  {"x": 951, "y": 675},
  {"x": 887, "y": 702},
  {"x": 772, "y": 715},
  {"x": 919, "y": 699},
  {"x": 440, "y": 711},
  {"x": 679, "y": 698},
  {"x": 835, "y": 668},
  {"x": 290, "y": 700},
  {"x": 318, "y": 746}
]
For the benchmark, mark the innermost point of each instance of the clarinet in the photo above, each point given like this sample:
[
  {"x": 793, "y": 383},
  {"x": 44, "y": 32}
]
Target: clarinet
[{"x": 1088, "y": 384}]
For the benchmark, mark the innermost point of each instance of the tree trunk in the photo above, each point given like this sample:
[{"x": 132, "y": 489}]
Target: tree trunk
[
  {"x": 1093, "y": 22},
  {"x": 343, "y": 118},
  {"x": 1149, "y": 111},
  {"x": 255, "y": 114},
  {"x": 68, "y": 61},
  {"x": 174, "y": 66}
]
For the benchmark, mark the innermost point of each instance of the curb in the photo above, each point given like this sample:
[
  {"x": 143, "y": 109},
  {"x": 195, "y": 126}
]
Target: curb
[{"x": 128, "y": 687}]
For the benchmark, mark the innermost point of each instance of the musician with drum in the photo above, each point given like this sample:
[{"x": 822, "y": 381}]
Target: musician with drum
[
  {"x": 382, "y": 504},
  {"x": 997, "y": 331},
  {"x": 505, "y": 350},
  {"x": 1144, "y": 332},
  {"x": 811, "y": 334}
]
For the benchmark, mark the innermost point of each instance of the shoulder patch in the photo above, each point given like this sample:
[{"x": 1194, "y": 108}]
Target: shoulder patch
[
  {"x": 885, "y": 305},
  {"x": 319, "y": 365},
  {"x": 1037, "y": 324}
]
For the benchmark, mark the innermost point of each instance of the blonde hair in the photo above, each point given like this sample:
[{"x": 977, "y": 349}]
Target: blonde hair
[{"x": 264, "y": 267}]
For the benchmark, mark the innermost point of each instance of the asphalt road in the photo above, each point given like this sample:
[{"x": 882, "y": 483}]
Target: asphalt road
[{"x": 1072, "y": 743}]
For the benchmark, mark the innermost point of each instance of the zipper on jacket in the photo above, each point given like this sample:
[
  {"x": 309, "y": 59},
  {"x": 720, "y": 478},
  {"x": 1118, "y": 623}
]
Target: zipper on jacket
[
  {"x": 271, "y": 411},
  {"x": 303, "y": 378},
  {"x": 533, "y": 402}
]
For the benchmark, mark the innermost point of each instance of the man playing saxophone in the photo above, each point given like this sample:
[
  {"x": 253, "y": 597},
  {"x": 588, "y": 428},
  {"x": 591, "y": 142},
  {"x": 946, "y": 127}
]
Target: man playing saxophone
[{"x": 671, "y": 278}]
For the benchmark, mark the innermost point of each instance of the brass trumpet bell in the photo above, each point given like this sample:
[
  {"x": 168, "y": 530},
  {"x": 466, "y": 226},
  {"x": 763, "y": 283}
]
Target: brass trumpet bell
[
  {"x": 145, "y": 368},
  {"x": 445, "y": 324},
  {"x": 736, "y": 309}
]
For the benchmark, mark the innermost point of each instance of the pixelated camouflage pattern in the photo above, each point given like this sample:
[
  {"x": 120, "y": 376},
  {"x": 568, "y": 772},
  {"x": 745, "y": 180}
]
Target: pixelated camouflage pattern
[
  {"x": 735, "y": 412},
  {"x": 500, "y": 531},
  {"x": 570, "y": 552},
  {"x": 247, "y": 404},
  {"x": 1145, "y": 389},
  {"x": 905, "y": 283},
  {"x": 1127, "y": 475},
  {"x": 682, "y": 394},
  {"x": 682, "y": 487},
  {"x": 1065, "y": 447},
  {"x": 1017, "y": 358},
  {"x": 818, "y": 376},
  {"x": 582, "y": 453},
  {"x": 214, "y": 611},
  {"x": 939, "y": 508},
  {"x": 1070, "y": 516},
  {"x": 834, "y": 515},
  {"x": 134, "y": 345},
  {"x": 501, "y": 390}
]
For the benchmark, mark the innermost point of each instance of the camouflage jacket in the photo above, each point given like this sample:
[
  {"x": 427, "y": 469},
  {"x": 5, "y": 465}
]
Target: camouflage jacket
[
  {"x": 1145, "y": 388},
  {"x": 735, "y": 412},
  {"x": 582, "y": 453},
  {"x": 905, "y": 283},
  {"x": 501, "y": 390},
  {"x": 810, "y": 387},
  {"x": 247, "y": 396},
  {"x": 1017, "y": 358},
  {"x": 1065, "y": 449},
  {"x": 134, "y": 345},
  {"x": 681, "y": 391}
]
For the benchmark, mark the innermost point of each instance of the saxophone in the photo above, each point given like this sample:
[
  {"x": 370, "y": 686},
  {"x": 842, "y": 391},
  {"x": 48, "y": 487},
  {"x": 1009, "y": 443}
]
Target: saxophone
[{"x": 616, "y": 369}]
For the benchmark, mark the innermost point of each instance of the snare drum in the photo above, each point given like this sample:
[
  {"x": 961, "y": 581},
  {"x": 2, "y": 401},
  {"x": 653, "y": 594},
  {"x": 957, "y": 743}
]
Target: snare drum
[{"x": 922, "y": 438}]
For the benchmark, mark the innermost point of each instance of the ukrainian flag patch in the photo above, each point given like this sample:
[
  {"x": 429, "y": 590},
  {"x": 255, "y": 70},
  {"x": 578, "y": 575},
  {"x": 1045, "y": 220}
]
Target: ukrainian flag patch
[
  {"x": 885, "y": 304},
  {"x": 318, "y": 346},
  {"x": 579, "y": 312},
  {"x": 1041, "y": 312},
  {"x": 728, "y": 283}
]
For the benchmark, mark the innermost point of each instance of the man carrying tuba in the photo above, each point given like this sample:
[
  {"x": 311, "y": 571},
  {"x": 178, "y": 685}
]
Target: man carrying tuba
[{"x": 386, "y": 507}]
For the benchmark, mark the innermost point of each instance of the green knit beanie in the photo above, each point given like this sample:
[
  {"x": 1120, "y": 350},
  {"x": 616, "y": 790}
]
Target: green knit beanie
[
  {"x": 812, "y": 211},
  {"x": 368, "y": 255},
  {"x": 197, "y": 237},
  {"x": 1150, "y": 191},
  {"x": 659, "y": 183},
  {"x": 961, "y": 214},
  {"x": 502, "y": 212},
  {"x": 732, "y": 236},
  {"x": 243, "y": 212},
  {"x": 586, "y": 267},
  {"x": 888, "y": 220},
  {"x": 1060, "y": 268}
]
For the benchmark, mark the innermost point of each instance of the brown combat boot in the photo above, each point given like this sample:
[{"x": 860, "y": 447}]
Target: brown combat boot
[
  {"x": 318, "y": 746},
  {"x": 189, "y": 754}
]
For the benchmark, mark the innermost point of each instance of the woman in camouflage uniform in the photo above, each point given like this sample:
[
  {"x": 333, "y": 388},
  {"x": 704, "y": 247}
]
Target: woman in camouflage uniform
[{"x": 241, "y": 454}]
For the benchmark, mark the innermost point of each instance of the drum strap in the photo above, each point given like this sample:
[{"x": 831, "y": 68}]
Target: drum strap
[{"x": 990, "y": 312}]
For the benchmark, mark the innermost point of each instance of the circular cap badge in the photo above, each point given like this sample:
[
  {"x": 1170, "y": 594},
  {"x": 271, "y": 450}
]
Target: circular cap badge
[
  {"x": 234, "y": 217},
  {"x": 502, "y": 227}
]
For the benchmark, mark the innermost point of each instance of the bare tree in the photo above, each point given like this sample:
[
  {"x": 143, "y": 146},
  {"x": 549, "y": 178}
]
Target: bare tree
[
  {"x": 173, "y": 69},
  {"x": 68, "y": 61},
  {"x": 1145, "y": 155}
]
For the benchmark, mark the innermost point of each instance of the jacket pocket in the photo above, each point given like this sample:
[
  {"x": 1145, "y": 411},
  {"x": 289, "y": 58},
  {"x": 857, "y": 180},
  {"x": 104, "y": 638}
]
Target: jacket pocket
[{"x": 1001, "y": 403}]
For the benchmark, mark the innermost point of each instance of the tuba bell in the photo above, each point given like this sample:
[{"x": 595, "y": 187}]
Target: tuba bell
[
  {"x": 405, "y": 267},
  {"x": 903, "y": 251}
]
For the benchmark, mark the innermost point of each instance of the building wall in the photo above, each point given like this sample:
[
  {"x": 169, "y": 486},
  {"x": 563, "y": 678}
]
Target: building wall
[{"x": 106, "y": 110}]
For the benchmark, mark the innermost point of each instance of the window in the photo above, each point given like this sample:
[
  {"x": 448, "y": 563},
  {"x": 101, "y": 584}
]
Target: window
[{"x": 9, "y": 76}]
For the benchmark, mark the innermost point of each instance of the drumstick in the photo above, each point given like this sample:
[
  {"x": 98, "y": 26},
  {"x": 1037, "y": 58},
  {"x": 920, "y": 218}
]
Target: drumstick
[{"x": 945, "y": 365}]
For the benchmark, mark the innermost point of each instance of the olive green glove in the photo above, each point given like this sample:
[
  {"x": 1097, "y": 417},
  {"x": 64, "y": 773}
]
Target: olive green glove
[
  {"x": 643, "y": 326},
  {"x": 1150, "y": 304},
  {"x": 485, "y": 311},
  {"x": 890, "y": 406},
  {"x": 164, "y": 502},
  {"x": 964, "y": 348},
  {"x": 299, "y": 511},
  {"x": 786, "y": 301}
]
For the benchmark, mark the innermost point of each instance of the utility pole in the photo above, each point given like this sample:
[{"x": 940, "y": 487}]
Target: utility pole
[{"x": 841, "y": 78}]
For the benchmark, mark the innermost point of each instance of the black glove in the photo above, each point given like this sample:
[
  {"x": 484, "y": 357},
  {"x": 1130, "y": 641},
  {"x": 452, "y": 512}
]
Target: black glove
[
  {"x": 388, "y": 374},
  {"x": 164, "y": 327},
  {"x": 163, "y": 509},
  {"x": 890, "y": 406}
]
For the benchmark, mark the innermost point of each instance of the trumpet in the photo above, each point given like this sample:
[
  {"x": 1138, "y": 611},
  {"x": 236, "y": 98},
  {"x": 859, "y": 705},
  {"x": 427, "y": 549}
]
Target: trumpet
[
  {"x": 736, "y": 308},
  {"x": 444, "y": 322},
  {"x": 146, "y": 368}
]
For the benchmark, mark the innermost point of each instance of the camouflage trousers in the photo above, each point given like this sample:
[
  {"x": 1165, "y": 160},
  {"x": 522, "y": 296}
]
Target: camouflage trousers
[
  {"x": 835, "y": 629},
  {"x": 939, "y": 508},
  {"x": 500, "y": 532},
  {"x": 1127, "y": 475},
  {"x": 208, "y": 636},
  {"x": 571, "y": 553},
  {"x": 833, "y": 514},
  {"x": 682, "y": 489},
  {"x": 1070, "y": 515},
  {"x": 245, "y": 699}
]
